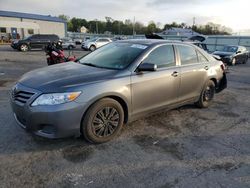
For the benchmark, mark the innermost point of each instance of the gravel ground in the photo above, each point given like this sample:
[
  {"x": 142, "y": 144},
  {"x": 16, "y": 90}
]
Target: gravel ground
[{"x": 185, "y": 147}]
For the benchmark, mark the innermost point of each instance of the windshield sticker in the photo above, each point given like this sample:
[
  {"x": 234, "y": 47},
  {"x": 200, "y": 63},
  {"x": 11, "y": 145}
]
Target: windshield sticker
[{"x": 139, "y": 46}]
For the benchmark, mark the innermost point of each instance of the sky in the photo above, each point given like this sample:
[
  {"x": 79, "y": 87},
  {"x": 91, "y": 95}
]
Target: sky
[{"x": 231, "y": 13}]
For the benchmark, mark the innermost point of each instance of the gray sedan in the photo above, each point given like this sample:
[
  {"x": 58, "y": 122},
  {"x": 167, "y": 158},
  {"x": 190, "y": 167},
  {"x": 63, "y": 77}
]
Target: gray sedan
[{"x": 115, "y": 84}]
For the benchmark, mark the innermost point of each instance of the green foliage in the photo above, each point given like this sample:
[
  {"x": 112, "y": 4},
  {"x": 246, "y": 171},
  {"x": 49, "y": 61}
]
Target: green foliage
[{"x": 126, "y": 27}]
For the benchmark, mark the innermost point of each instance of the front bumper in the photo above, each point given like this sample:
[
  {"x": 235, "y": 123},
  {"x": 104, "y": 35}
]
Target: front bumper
[
  {"x": 55, "y": 121},
  {"x": 85, "y": 48},
  {"x": 14, "y": 45}
]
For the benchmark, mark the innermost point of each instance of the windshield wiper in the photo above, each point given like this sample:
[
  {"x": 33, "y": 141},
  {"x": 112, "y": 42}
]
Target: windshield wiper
[{"x": 90, "y": 64}]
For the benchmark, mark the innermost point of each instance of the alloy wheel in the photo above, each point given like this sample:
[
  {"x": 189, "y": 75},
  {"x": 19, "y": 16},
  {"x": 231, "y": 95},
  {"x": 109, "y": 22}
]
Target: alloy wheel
[
  {"x": 24, "y": 48},
  {"x": 208, "y": 94},
  {"x": 105, "y": 122}
]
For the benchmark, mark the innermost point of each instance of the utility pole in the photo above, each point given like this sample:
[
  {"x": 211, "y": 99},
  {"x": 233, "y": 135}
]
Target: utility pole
[
  {"x": 193, "y": 25},
  {"x": 194, "y": 21},
  {"x": 134, "y": 27},
  {"x": 96, "y": 26}
]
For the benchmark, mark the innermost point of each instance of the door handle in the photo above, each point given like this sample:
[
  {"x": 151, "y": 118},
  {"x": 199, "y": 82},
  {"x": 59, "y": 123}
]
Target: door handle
[
  {"x": 174, "y": 74},
  {"x": 206, "y": 67}
]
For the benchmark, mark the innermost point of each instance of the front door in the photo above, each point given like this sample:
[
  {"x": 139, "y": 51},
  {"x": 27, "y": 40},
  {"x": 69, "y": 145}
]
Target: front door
[{"x": 154, "y": 90}]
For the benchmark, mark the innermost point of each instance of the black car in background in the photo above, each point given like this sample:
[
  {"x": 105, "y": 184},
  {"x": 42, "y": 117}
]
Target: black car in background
[
  {"x": 34, "y": 41},
  {"x": 232, "y": 55}
]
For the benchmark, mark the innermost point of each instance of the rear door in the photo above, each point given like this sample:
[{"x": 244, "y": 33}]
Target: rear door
[
  {"x": 153, "y": 90},
  {"x": 45, "y": 40},
  {"x": 194, "y": 70},
  {"x": 35, "y": 41}
]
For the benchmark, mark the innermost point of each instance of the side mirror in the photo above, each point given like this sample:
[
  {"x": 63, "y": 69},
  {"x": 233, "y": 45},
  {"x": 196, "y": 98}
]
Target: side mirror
[
  {"x": 147, "y": 67},
  {"x": 238, "y": 52}
]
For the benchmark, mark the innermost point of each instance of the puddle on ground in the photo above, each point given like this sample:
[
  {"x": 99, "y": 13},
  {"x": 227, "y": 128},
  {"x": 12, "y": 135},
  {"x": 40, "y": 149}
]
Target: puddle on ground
[
  {"x": 77, "y": 153},
  {"x": 150, "y": 143},
  {"x": 225, "y": 166}
]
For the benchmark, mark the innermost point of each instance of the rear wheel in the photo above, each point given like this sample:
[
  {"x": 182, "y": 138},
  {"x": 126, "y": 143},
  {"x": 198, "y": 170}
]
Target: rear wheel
[
  {"x": 103, "y": 121},
  {"x": 92, "y": 48},
  {"x": 245, "y": 61},
  {"x": 70, "y": 47},
  {"x": 24, "y": 47},
  {"x": 207, "y": 95}
]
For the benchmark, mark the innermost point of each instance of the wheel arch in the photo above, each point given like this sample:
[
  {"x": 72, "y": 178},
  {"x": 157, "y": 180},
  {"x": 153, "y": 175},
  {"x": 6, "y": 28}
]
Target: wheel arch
[
  {"x": 19, "y": 45},
  {"x": 117, "y": 98},
  {"x": 215, "y": 81}
]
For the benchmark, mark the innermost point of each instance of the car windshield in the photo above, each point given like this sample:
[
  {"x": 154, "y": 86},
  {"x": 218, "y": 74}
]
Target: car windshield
[
  {"x": 25, "y": 38},
  {"x": 230, "y": 49},
  {"x": 114, "y": 55}
]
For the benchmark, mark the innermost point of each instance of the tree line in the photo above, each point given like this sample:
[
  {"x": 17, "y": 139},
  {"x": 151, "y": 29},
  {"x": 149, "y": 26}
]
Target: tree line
[{"x": 128, "y": 27}]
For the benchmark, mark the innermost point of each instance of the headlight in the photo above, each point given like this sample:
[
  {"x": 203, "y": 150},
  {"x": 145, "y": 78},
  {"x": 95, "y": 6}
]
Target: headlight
[{"x": 55, "y": 98}]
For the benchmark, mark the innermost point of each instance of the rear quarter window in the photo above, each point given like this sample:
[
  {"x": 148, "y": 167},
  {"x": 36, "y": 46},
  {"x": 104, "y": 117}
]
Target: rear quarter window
[{"x": 201, "y": 57}]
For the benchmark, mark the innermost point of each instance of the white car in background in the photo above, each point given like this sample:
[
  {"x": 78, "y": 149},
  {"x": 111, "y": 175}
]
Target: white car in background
[
  {"x": 68, "y": 43},
  {"x": 95, "y": 43}
]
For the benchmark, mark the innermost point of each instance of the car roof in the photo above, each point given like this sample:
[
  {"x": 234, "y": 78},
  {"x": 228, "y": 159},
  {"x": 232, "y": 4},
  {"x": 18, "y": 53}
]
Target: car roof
[{"x": 150, "y": 42}]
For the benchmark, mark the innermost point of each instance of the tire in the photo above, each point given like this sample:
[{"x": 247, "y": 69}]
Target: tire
[
  {"x": 70, "y": 47},
  {"x": 206, "y": 95},
  {"x": 24, "y": 47},
  {"x": 233, "y": 63},
  {"x": 96, "y": 125},
  {"x": 92, "y": 48}
]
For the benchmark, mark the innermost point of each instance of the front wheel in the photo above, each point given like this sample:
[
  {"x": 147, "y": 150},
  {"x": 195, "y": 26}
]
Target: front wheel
[
  {"x": 103, "y": 121},
  {"x": 24, "y": 47},
  {"x": 207, "y": 95}
]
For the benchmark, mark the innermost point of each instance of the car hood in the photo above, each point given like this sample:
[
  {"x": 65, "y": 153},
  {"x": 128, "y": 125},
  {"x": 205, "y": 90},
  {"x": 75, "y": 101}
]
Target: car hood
[
  {"x": 60, "y": 77},
  {"x": 220, "y": 53}
]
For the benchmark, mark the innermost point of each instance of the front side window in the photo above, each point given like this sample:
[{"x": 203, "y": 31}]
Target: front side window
[
  {"x": 188, "y": 54},
  {"x": 114, "y": 55},
  {"x": 162, "y": 56}
]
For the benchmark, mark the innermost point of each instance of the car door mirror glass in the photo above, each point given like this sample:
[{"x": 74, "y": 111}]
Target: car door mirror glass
[{"x": 147, "y": 67}]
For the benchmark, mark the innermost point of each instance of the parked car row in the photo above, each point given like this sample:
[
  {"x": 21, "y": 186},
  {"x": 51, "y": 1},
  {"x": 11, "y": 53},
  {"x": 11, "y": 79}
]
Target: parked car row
[{"x": 39, "y": 41}]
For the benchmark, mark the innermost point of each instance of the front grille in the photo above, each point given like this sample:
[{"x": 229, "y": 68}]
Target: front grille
[{"x": 21, "y": 96}]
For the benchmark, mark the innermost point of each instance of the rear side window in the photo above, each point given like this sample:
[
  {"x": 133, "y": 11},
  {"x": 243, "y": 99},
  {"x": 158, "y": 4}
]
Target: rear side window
[
  {"x": 34, "y": 37},
  {"x": 162, "y": 56},
  {"x": 188, "y": 54},
  {"x": 103, "y": 40}
]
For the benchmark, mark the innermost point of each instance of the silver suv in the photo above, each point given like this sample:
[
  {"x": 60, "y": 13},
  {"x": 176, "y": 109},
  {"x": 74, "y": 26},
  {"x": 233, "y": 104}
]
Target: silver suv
[
  {"x": 114, "y": 85},
  {"x": 95, "y": 43}
]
